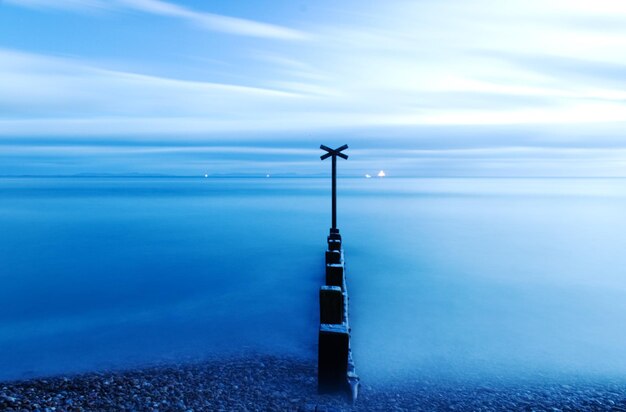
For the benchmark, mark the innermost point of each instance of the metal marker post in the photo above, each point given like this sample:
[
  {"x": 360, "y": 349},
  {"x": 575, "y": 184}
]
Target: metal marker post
[
  {"x": 335, "y": 367},
  {"x": 334, "y": 153}
]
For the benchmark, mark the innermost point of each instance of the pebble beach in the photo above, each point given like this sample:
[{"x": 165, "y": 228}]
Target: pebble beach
[{"x": 266, "y": 383}]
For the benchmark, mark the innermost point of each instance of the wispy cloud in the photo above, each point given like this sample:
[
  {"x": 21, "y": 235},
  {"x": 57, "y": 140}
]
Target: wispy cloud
[
  {"x": 215, "y": 22},
  {"x": 443, "y": 75},
  {"x": 62, "y": 96},
  {"x": 204, "y": 20},
  {"x": 73, "y": 5},
  {"x": 39, "y": 86}
]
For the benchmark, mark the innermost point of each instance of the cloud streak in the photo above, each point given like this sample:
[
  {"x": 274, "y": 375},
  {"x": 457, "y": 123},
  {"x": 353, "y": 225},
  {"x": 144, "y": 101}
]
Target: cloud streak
[
  {"x": 44, "y": 88},
  {"x": 204, "y": 20},
  {"x": 72, "y": 5},
  {"x": 215, "y": 22},
  {"x": 415, "y": 75}
]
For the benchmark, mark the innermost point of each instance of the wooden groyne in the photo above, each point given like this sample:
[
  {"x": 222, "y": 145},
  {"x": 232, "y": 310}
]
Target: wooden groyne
[
  {"x": 335, "y": 367},
  {"x": 336, "y": 370}
]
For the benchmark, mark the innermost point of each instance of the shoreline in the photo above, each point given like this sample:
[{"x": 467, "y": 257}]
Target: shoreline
[{"x": 259, "y": 383}]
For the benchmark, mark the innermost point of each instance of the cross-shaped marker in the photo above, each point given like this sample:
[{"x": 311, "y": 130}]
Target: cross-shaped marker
[{"x": 334, "y": 153}]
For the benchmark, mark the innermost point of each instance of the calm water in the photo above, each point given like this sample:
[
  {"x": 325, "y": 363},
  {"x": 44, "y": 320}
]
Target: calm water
[{"x": 494, "y": 276}]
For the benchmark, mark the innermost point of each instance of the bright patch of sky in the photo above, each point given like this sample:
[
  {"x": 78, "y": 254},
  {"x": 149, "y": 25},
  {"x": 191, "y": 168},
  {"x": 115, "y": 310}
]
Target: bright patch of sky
[{"x": 446, "y": 87}]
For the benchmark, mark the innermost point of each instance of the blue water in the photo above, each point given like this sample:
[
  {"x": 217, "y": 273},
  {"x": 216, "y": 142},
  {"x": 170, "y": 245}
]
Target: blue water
[{"x": 462, "y": 276}]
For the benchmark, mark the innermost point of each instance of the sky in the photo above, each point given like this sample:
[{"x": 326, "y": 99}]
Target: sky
[{"x": 417, "y": 88}]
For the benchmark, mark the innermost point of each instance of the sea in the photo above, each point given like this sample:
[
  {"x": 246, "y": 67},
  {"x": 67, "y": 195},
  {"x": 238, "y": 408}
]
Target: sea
[{"x": 446, "y": 276}]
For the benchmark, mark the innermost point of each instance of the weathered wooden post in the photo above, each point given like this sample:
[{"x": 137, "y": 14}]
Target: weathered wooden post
[
  {"x": 331, "y": 305},
  {"x": 335, "y": 368}
]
